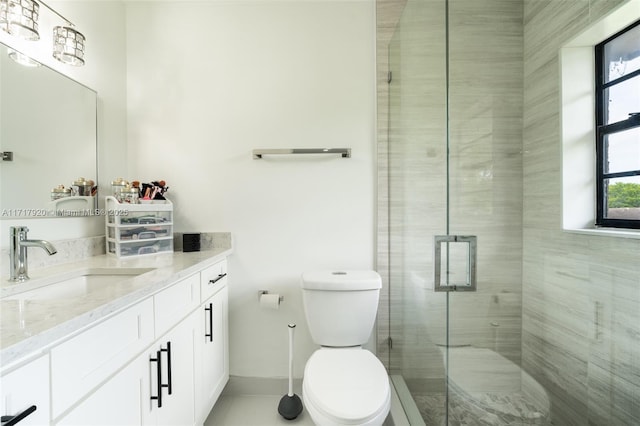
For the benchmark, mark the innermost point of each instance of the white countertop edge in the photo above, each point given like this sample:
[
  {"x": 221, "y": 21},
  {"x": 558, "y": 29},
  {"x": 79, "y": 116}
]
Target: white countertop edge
[{"x": 27, "y": 349}]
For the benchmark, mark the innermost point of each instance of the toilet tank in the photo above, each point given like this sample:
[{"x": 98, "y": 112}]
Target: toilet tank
[{"x": 341, "y": 306}]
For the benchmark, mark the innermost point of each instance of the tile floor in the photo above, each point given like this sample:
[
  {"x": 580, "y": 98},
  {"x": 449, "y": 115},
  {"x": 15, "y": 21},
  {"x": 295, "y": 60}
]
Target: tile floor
[
  {"x": 250, "y": 401},
  {"x": 251, "y": 410}
]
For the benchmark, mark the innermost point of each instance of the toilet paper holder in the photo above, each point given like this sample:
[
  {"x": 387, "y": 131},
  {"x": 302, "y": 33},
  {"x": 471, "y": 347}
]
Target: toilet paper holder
[{"x": 261, "y": 292}]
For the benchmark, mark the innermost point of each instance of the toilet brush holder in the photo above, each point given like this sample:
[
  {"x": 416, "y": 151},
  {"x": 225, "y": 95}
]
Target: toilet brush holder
[{"x": 290, "y": 405}]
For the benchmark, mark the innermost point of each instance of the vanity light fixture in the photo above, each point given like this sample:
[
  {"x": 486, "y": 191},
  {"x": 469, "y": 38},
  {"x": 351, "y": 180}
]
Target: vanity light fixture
[
  {"x": 20, "y": 18},
  {"x": 68, "y": 43},
  {"x": 68, "y": 46}
]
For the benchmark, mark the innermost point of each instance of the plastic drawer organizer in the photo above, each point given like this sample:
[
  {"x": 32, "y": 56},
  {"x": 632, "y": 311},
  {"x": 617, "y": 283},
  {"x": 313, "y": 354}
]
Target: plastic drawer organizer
[{"x": 138, "y": 229}]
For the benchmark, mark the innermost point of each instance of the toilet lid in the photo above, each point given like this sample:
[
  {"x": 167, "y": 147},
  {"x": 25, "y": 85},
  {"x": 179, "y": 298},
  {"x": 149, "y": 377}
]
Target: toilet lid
[{"x": 348, "y": 385}]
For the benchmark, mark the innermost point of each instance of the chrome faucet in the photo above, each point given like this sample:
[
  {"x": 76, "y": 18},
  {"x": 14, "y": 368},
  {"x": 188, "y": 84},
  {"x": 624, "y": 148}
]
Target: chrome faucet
[{"x": 18, "y": 252}]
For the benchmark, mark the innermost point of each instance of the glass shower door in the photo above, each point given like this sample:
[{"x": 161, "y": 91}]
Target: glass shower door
[
  {"x": 455, "y": 177},
  {"x": 484, "y": 139},
  {"x": 417, "y": 191}
]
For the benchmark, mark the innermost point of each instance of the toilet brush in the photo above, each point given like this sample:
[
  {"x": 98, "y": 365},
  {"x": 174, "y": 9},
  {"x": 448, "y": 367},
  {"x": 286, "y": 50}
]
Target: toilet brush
[{"x": 290, "y": 405}]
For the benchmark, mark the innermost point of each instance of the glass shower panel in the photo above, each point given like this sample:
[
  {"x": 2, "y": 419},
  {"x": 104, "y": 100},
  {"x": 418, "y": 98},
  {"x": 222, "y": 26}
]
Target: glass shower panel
[
  {"x": 485, "y": 40},
  {"x": 417, "y": 158}
]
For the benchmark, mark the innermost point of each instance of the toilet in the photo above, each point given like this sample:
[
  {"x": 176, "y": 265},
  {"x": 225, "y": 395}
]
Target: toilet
[{"x": 343, "y": 383}]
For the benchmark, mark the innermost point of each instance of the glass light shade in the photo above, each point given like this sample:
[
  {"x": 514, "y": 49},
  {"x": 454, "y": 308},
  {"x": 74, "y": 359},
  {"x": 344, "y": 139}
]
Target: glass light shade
[
  {"x": 23, "y": 59},
  {"x": 68, "y": 46},
  {"x": 20, "y": 18}
]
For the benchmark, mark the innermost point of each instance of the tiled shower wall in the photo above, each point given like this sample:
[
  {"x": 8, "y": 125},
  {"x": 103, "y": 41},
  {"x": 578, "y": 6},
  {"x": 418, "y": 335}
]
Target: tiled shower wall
[{"x": 592, "y": 372}]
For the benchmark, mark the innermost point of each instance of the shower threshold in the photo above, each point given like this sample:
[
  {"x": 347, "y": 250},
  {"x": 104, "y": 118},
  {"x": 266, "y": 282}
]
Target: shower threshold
[{"x": 404, "y": 411}]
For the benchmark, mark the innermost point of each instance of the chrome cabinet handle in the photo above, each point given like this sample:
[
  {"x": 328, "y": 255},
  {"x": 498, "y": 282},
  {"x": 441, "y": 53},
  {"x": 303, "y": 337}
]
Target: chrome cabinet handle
[
  {"x": 158, "y": 361},
  {"x": 210, "y": 333},
  {"x": 218, "y": 278},
  {"x": 12, "y": 420}
]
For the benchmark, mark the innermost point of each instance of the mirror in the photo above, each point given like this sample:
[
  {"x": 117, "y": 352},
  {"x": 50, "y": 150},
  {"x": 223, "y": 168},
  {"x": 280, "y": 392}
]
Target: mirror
[{"x": 48, "y": 124}]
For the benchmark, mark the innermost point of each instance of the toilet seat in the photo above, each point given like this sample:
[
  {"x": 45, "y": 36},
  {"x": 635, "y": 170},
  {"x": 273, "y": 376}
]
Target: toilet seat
[{"x": 347, "y": 386}]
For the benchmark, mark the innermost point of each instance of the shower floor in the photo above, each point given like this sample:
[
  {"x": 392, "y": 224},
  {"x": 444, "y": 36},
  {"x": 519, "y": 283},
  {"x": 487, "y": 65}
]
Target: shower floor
[{"x": 498, "y": 410}]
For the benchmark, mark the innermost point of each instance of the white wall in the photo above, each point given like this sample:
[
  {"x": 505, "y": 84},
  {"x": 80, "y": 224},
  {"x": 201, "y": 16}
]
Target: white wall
[
  {"x": 102, "y": 23},
  {"x": 209, "y": 82}
]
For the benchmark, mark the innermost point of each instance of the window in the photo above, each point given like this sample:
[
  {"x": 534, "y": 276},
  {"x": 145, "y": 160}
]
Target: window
[{"x": 617, "y": 63}]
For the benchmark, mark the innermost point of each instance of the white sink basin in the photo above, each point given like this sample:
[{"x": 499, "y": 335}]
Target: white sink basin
[{"x": 73, "y": 284}]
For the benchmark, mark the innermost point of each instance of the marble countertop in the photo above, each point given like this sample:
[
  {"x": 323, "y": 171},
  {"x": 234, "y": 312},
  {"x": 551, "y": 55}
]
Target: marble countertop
[{"x": 30, "y": 325}]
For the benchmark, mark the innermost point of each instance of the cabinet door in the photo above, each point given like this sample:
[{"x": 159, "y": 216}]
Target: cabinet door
[
  {"x": 83, "y": 362},
  {"x": 175, "y": 302},
  {"x": 212, "y": 345},
  {"x": 131, "y": 396},
  {"x": 176, "y": 353},
  {"x": 24, "y": 388},
  {"x": 120, "y": 401}
]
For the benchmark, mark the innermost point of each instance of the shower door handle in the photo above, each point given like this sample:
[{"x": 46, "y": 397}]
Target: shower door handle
[{"x": 457, "y": 258}]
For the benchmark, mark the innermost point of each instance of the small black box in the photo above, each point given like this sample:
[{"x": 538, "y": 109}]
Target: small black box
[{"x": 190, "y": 242}]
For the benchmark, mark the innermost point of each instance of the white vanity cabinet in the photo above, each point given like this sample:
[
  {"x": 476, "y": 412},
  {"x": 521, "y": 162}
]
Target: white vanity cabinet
[
  {"x": 176, "y": 403},
  {"x": 123, "y": 400},
  {"x": 176, "y": 302},
  {"x": 161, "y": 361},
  {"x": 83, "y": 362},
  {"x": 156, "y": 388},
  {"x": 172, "y": 357},
  {"x": 212, "y": 339},
  {"x": 25, "y": 388}
]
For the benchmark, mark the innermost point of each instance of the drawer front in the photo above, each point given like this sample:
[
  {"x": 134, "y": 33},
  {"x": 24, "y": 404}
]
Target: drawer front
[
  {"x": 176, "y": 302},
  {"x": 83, "y": 362},
  {"x": 142, "y": 217},
  {"x": 139, "y": 247},
  {"x": 142, "y": 232},
  {"x": 26, "y": 388},
  {"x": 213, "y": 279}
]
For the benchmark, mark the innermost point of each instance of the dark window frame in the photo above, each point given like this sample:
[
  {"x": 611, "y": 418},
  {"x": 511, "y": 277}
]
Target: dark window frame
[{"x": 604, "y": 130}]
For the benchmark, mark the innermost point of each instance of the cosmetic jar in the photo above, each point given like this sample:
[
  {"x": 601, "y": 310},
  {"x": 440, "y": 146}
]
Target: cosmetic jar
[
  {"x": 60, "y": 192},
  {"x": 129, "y": 195},
  {"x": 117, "y": 186},
  {"x": 82, "y": 187}
]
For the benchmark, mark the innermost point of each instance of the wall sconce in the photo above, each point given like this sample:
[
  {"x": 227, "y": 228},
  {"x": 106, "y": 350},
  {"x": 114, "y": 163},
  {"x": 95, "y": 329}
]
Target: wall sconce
[
  {"x": 68, "y": 46},
  {"x": 20, "y": 18}
]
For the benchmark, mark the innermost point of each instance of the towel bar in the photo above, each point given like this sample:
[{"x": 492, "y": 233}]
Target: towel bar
[{"x": 344, "y": 152}]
